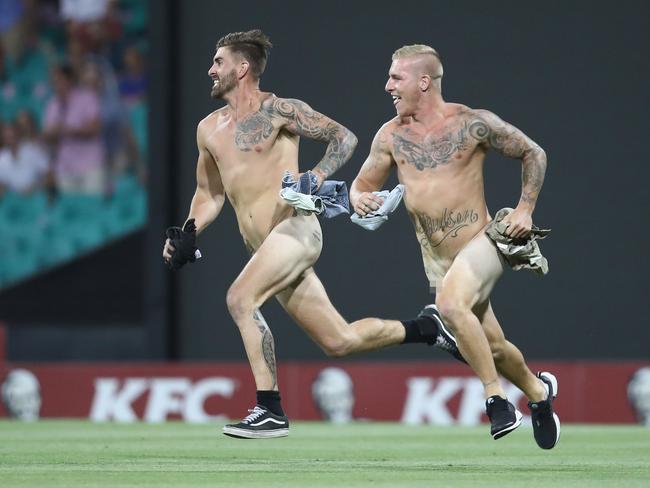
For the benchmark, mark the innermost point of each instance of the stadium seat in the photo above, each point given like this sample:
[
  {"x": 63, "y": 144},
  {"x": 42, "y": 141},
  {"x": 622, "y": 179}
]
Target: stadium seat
[{"x": 127, "y": 210}]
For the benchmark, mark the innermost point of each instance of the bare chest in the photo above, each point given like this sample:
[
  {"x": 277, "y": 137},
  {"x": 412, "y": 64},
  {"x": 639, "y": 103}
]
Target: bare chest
[
  {"x": 248, "y": 139},
  {"x": 449, "y": 146}
]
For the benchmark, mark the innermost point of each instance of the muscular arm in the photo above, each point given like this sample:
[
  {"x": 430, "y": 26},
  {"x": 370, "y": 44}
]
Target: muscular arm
[
  {"x": 372, "y": 175},
  {"x": 508, "y": 140},
  {"x": 302, "y": 120},
  {"x": 209, "y": 195}
]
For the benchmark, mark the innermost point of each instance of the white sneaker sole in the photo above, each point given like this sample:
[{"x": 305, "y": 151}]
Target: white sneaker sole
[{"x": 254, "y": 434}]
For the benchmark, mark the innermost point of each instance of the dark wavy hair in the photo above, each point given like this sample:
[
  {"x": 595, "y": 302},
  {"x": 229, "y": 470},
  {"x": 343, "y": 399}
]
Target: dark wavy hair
[{"x": 253, "y": 45}]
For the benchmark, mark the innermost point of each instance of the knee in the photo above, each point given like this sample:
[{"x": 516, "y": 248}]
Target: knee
[
  {"x": 451, "y": 309},
  {"x": 238, "y": 302}
]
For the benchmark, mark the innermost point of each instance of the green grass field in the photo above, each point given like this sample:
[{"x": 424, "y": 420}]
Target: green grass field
[{"x": 81, "y": 454}]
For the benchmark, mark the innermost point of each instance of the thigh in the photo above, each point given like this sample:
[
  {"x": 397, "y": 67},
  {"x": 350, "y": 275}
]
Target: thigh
[
  {"x": 474, "y": 272},
  {"x": 307, "y": 303},
  {"x": 290, "y": 249}
]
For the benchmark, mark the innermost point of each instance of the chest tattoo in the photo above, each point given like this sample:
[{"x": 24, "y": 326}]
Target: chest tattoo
[
  {"x": 253, "y": 130},
  {"x": 433, "y": 152}
]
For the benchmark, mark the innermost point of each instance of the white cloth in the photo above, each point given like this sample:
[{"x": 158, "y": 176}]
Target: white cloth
[{"x": 376, "y": 218}]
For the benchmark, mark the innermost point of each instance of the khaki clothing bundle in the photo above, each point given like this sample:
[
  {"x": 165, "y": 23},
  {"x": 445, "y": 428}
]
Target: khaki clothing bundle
[{"x": 518, "y": 253}]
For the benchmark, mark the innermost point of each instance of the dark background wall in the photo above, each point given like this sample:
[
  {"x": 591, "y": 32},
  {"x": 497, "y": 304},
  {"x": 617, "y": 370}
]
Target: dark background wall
[{"x": 572, "y": 75}]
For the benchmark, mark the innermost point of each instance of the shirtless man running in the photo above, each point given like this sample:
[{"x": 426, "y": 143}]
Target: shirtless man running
[
  {"x": 244, "y": 150},
  {"x": 438, "y": 149}
]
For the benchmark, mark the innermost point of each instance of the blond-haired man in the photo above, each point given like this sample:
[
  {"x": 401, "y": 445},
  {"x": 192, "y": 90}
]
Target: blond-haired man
[{"x": 438, "y": 149}]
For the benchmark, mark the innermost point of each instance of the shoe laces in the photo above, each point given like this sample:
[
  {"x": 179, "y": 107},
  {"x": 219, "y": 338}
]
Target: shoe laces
[{"x": 254, "y": 414}]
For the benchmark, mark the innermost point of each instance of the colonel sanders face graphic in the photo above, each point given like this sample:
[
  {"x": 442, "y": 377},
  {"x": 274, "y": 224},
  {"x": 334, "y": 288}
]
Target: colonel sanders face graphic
[
  {"x": 333, "y": 393},
  {"x": 21, "y": 394},
  {"x": 638, "y": 392}
]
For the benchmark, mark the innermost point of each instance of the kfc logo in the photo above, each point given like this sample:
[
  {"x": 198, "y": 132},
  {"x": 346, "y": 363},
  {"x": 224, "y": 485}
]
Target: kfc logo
[
  {"x": 114, "y": 398},
  {"x": 427, "y": 400}
]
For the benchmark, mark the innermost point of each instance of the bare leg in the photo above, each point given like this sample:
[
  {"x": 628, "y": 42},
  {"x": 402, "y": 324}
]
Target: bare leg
[
  {"x": 291, "y": 248},
  {"x": 307, "y": 303},
  {"x": 467, "y": 286},
  {"x": 508, "y": 359}
]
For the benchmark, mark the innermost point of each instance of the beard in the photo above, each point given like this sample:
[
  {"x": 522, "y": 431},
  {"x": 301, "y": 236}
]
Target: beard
[{"x": 226, "y": 84}]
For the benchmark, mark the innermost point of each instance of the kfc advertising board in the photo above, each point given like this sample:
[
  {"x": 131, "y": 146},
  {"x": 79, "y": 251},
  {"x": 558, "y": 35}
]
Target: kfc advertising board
[{"x": 410, "y": 392}]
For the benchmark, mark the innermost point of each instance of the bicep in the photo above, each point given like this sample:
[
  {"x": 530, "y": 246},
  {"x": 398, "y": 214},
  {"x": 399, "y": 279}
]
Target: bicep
[
  {"x": 501, "y": 136},
  {"x": 300, "y": 119}
]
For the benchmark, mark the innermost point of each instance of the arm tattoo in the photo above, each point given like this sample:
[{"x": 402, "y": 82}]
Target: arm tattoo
[
  {"x": 268, "y": 348},
  {"x": 302, "y": 120},
  {"x": 449, "y": 224},
  {"x": 511, "y": 142},
  {"x": 306, "y": 122},
  {"x": 430, "y": 154}
]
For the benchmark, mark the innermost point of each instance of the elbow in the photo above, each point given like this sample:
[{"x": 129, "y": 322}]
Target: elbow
[
  {"x": 350, "y": 140},
  {"x": 353, "y": 140}
]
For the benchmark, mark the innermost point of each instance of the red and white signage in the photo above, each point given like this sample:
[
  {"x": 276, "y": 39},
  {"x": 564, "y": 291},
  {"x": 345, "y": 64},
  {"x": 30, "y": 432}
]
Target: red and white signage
[{"x": 411, "y": 392}]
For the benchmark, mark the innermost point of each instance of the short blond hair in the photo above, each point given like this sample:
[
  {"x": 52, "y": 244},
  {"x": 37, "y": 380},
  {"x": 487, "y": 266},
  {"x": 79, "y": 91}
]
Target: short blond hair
[
  {"x": 432, "y": 66},
  {"x": 414, "y": 50}
]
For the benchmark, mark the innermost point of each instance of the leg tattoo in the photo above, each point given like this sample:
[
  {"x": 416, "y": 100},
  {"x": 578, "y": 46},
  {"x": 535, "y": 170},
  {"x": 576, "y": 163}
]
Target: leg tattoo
[{"x": 268, "y": 348}]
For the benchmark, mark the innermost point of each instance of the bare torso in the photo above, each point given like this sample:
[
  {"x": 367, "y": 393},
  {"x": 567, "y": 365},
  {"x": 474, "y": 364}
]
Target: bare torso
[
  {"x": 442, "y": 169},
  {"x": 252, "y": 155}
]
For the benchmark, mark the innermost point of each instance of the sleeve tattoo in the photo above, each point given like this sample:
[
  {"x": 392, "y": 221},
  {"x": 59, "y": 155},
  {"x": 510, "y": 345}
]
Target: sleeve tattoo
[
  {"x": 494, "y": 133},
  {"x": 304, "y": 121}
]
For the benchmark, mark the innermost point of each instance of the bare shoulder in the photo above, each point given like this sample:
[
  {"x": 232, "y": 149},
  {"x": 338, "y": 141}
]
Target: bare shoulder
[
  {"x": 209, "y": 120},
  {"x": 283, "y": 106}
]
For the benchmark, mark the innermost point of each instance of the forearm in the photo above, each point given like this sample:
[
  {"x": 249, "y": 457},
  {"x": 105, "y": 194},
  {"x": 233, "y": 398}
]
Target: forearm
[
  {"x": 204, "y": 210},
  {"x": 359, "y": 186},
  {"x": 532, "y": 177},
  {"x": 339, "y": 151}
]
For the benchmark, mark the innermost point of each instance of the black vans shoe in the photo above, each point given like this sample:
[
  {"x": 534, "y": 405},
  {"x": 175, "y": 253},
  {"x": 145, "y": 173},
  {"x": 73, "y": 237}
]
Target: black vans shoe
[
  {"x": 259, "y": 424},
  {"x": 445, "y": 340}
]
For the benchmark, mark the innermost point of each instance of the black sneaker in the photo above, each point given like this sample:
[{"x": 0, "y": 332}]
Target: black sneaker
[
  {"x": 445, "y": 340},
  {"x": 546, "y": 424},
  {"x": 503, "y": 416},
  {"x": 259, "y": 424}
]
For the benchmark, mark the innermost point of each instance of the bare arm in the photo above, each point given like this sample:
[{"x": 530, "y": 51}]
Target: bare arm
[
  {"x": 372, "y": 175},
  {"x": 304, "y": 121},
  {"x": 209, "y": 195},
  {"x": 508, "y": 140}
]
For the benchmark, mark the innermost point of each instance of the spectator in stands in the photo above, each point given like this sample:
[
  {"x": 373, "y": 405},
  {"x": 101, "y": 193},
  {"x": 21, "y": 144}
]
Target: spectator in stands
[
  {"x": 121, "y": 149},
  {"x": 133, "y": 80},
  {"x": 24, "y": 163},
  {"x": 73, "y": 127}
]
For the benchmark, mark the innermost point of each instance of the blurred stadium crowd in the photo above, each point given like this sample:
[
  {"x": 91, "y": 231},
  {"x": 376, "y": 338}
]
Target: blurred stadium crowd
[{"x": 73, "y": 128}]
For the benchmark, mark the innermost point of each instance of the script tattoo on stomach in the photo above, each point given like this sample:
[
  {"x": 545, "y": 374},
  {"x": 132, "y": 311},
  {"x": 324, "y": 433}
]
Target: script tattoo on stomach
[{"x": 450, "y": 223}]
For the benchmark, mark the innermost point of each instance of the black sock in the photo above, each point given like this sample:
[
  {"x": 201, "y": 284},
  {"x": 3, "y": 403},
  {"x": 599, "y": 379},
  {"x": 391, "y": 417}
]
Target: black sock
[
  {"x": 270, "y": 399},
  {"x": 422, "y": 329}
]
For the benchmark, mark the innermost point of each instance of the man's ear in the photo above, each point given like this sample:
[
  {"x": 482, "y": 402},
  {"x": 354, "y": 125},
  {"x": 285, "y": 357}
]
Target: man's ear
[
  {"x": 425, "y": 82},
  {"x": 244, "y": 66}
]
